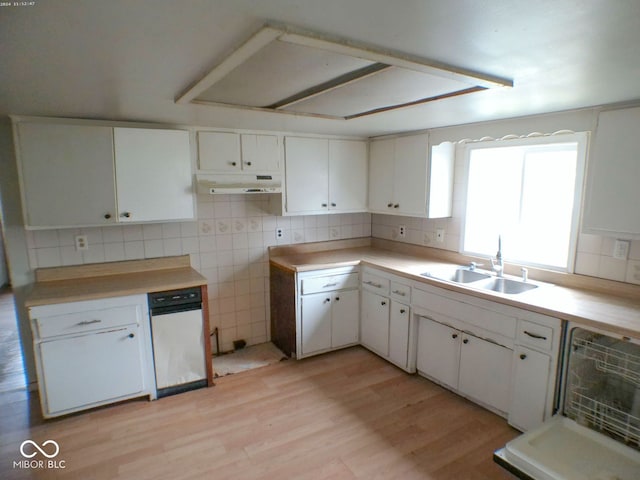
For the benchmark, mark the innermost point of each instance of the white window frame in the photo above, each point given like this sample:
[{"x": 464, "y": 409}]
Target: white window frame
[{"x": 582, "y": 140}]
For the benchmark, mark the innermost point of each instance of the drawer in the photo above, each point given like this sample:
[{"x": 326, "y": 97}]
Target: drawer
[
  {"x": 329, "y": 283},
  {"x": 535, "y": 335},
  {"x": 375, "y": 283},
  {"x": 401, "y": 292},
  {"x": 87, "y": 321}
]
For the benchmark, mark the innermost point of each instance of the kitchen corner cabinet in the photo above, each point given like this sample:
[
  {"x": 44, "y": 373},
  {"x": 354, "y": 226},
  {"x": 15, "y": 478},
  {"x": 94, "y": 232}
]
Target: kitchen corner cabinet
[
  {"x": 92, "y": 353},
  {"x": 405, "y": 178},
  {"x": 314, "y": 312},
  {"x": 84, "y": 174},
  {"x": 325, "y": 176},
  {"x": 229, "y": 152},
  {"x": 386, "y": 325},
  {"x": 612, "y": 193}
]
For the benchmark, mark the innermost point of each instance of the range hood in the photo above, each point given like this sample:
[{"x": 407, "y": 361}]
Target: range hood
[{"x": 226, "y": 184}]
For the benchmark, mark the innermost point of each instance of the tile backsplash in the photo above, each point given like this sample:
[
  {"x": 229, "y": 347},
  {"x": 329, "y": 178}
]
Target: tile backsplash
[{"x": 227, "y": 244}]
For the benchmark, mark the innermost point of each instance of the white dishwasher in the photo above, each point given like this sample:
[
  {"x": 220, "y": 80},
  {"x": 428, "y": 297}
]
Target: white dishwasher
[{"x": 178, "y": 340}]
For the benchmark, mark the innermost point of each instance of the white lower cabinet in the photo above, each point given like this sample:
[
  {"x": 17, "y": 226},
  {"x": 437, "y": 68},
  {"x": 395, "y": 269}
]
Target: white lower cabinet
[
  {"x": 374, "y": 326},
  {"x": 328, "y": 311},
  {"x": 438, "y": 352},
  {"x": 485, "y": 372},
  {"x": 502, "y": 357},
  {"x": 92, "y": 353},
  {"x": 91, "y": 368},
  {"x": 386, "y": 324},
  {"x": 530, "y": 388}
]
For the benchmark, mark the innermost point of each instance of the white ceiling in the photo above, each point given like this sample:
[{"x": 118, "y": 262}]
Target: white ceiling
[{"x": 129, "y": 59}]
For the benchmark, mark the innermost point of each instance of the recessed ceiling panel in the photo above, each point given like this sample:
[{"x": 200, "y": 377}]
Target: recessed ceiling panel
[
  {"x": 278, "y": 71},
  {"x": 387, "y": 88}
]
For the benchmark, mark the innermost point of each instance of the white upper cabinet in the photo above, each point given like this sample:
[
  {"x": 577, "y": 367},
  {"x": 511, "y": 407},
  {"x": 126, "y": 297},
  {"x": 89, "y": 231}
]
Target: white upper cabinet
[
  {"x": 228, "y": 152},
  {"x": 347, "y": 175},
  {"x": 66, "y": 174},
  {"x": 612, "y": 194},
  {"x": 325, "y": 176},
  {"x": 153, "y": 174},
  {"x": 404, "y": 179},
  {"x": 83, "y": 174}
]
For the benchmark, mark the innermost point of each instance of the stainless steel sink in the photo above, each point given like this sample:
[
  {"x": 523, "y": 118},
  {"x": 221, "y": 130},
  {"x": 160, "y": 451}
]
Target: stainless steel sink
[
  {"x": 506, "y": 285},
  {"x": 460, "y": 275}
]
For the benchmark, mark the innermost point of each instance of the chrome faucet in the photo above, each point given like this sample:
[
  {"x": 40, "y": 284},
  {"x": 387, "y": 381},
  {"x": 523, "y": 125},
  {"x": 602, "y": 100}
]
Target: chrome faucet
[{"x": 498, "y": 264}]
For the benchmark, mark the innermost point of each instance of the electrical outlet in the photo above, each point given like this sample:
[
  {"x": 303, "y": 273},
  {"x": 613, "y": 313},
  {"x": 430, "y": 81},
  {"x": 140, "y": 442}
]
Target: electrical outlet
[
  {"x": 621, "y": 249},
  {"x": 402, "y": 231},
  {"x": 440, "y": 235},
  {"x": 279, "y": 233},
  {"x": 81, "y": 242}
]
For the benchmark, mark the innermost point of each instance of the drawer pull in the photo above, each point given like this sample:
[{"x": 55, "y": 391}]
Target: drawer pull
[
  {"x": 398, "y": 292},
  {"x": 535, "y": 335},
  {"x": 327, "y": 300},
  {"x": 329, "y": 285},
  {"x": 131, "y": 335},
  {"x": 465, "y": 341},
  {"x": 373, "y": 284},
  {"x": 523, "y": 356},
  {"x": 383, "y": 303},
  {"x": 89, "y": 322},
  {"x": 402, "y": 310},
  {"x": 454, "y": 335}
]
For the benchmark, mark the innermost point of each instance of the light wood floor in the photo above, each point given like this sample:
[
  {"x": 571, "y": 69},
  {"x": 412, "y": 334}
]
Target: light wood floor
[
  {"x": 342, "y": 415},
  {"x": 11, "y": 366}
]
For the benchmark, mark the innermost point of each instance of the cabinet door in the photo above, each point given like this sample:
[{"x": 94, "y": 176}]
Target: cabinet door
[
  {"x": 345, "y": 318},
  {"x": 67, "y": 174},
  {"x": 399, "y": 334},
  {"x": 410, "y": 175},
  {"x": 439, "y": 351},
  {"x": 92, "y": 368},
  {"x": 613, "y": 195},
  {"x": 530, "y": 387},
  {"x": 153, "y": 174},
  {"x": 381, "y": 159},
  {"x": 260, "y": 153},
  {"x": 485, "y": 372},
  {"x": 315, "y": 322},
  {"x": 347, "y": 176},
  {"x": 219, "y": 151},
  {"x": 374, "y": 325},
  {"x": 306, "y": 175}
]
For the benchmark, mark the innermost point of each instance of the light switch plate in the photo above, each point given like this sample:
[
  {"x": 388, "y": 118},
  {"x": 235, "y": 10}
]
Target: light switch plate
[{"x": 621, "y": 249}]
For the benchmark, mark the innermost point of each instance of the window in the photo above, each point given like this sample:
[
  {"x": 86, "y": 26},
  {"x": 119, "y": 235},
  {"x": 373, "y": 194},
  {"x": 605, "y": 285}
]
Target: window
[{"x": 528, "y": 191}]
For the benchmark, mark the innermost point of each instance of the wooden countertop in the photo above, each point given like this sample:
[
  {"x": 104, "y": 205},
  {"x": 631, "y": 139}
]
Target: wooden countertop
[
  {"x": 88, "y": 282},
  {"x": 612, "y": 306}
]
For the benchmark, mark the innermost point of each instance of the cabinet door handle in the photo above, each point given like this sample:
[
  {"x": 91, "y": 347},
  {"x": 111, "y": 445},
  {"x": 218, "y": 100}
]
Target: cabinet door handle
[
  {"x": 465, "y": 341},
  {"x": 398, "y": 292},
  {"x": 233, "y": 164},
  {"x": 523, "y": 356},
  {"x": 396, "y": 205},
  {"x": 402, "y": 310},
  {"x": 389, "y": 205},
  {"x": 131, "y": 335},
  {"x": 329, "y": 285},
  {"x": 383, "y": 303},
  {"x": 535, "y": 335},
  {"x": 327, "y": 300},
  {"x": 454, "y": 335},
  {"x": 373, "y": 284},
  {"x": 337, "y": 299},
  {"x": 324, "y": 204},
  {"x": 248, "y": 163},
  {"x": 333, "y": 204},
  {"x": 89, "y": 322},
  {"x": 107, "y": 216},
  {"x": 126, "y": 215}
]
